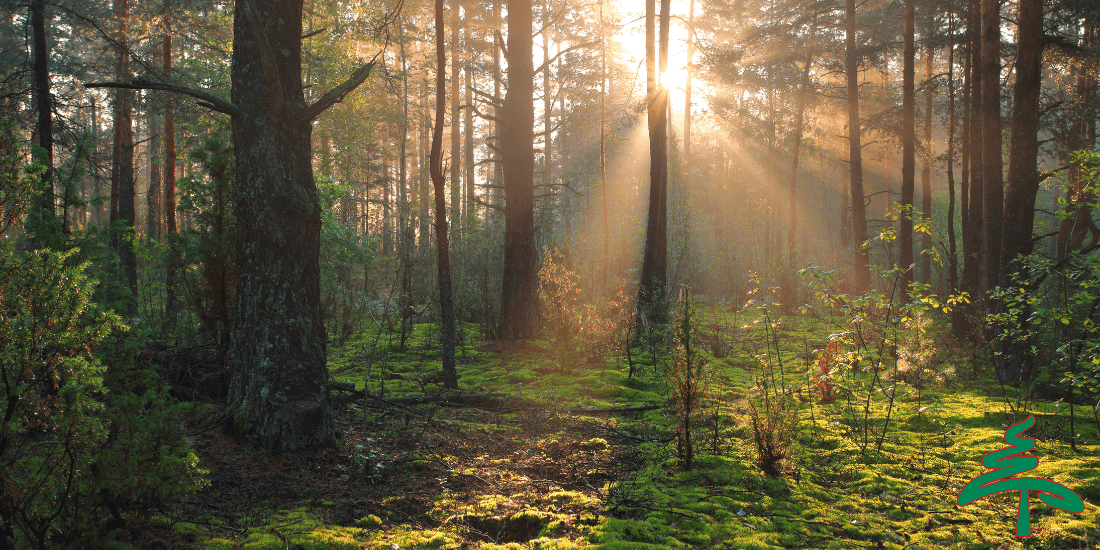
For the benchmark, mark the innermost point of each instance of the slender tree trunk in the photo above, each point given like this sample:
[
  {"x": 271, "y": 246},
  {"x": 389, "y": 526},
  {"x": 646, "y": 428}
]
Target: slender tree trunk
[
  {"x": 425, "y": 128},
  {"x": 689, "y": 70},
  {"x": 405, "y": 237},
  {"x": 471, "y": 184},
  {"x": 152, "y": 194},
  {"x": 1023, "y": 177},
  {"x": 992, "y": 176},
  {"x": 170, "y": 303},
  {"x": 43, "y": 99},
  {"x": 908, "y": 154},
  {"x": 952, "y": 260},
  {"x": 125, "y": 145},
  {"x": 972, "y": 234},
  {"x": 547, "y": 102},
  {"x": 603, "y": 146},
  {"x": 519, "y": 291},
  {"x": 1082, "y": 136},
  {"x": 443, "y": 260},
  {"x": 804, "y": 85},
  {"x": 926, "y": 171},
  {"x": 855, "y": 152},
  {"x": 456, "y": 122}
]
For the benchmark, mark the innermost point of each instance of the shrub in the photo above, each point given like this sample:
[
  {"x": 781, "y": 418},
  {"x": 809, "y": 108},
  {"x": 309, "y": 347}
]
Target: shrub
[
  {"x": 687, "y": 375},
  {"x": 825, "y": 371},
  {"x": 580, "y": 332},
  {"x": 774, "y": 429},
  {"x": 81, "y": 439}
]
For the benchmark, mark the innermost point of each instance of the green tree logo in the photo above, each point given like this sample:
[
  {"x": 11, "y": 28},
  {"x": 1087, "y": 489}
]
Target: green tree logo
[{"x": 1010, "y": 461}]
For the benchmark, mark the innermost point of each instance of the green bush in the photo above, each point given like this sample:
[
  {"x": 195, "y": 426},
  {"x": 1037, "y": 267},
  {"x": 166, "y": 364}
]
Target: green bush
[{"x": 86, "y": 435}]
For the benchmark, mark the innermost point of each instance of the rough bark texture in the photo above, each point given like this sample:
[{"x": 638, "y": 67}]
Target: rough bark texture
[
  {"x": 443, "y": 258},
  {"x": 278, "y": 394},
  {"x": 908, "y": 153},
  {"x": 1023, "y": 177},
  {"x": 992, "y": 165},
  {"x": 654, "y": 274},
  {"x": 519, "y": 291},
  {"x": 855, "y": 151}
]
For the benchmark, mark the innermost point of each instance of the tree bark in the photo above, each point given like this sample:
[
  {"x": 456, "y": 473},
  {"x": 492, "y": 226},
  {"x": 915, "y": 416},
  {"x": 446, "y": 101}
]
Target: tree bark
[
  {"x": 519, "y": 289},
  {"x": 443, "y": 260},
  {"x": 972, "y": 233},
  {"x": 126, "y": 211},
  {"x": 152, "y": 193},
  {"x": 43, "y": 99},
  {"x": 278, "y": 393},
  {"x": 908, "y": 153},
  {"x": 855, "y": 152},
  {"x": 1023, "y": 176},
  {"x": 992, "y": 165},
  {"x": 456, "y": 121},
  {"x": 926, "y": 171},
  {"x": 652, "y": 291},
  {"x": 792, "y": 203},
  {"x": 170, "y": 302}
]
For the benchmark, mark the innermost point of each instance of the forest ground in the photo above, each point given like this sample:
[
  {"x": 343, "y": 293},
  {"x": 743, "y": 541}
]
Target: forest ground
[{"x": 530, "y": 471}]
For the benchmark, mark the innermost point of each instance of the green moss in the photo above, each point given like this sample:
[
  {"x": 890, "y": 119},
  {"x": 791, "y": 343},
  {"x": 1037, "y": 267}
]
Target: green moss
[
  {"x": 369, "y": 522},
  {"x": 188, "y": 530}
]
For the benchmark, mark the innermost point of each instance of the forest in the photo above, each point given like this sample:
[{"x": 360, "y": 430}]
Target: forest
[{"x": 549, "y": 274}]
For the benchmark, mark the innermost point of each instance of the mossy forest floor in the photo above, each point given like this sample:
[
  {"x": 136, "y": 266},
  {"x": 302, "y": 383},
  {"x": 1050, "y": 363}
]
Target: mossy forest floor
[{"x": 538, "y": 476}]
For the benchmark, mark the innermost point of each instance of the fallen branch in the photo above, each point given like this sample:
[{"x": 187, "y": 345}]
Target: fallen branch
[{"x": 614, "y": 410}]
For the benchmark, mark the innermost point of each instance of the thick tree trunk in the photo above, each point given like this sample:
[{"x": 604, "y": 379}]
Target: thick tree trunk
[
  {"x": 519, "y": 291},
  {"x": 992, "y": 165},
  {"x": 908, "y": 153},
  {"x": 443, "y": 259},
  {"x": 1023, "y": 176},
  {"x": 855, "y": 152},
  {"x": 278, "y": 394},
  {"x": 652, "y": 291}
]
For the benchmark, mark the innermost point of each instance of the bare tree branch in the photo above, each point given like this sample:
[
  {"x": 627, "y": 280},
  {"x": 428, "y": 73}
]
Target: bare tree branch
[
  {"x": 487, "y": 205},
  {"x": 566, "y": 50},
  {"x": 338, "y": 93},
  {"x": 206, "y": 99}
]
